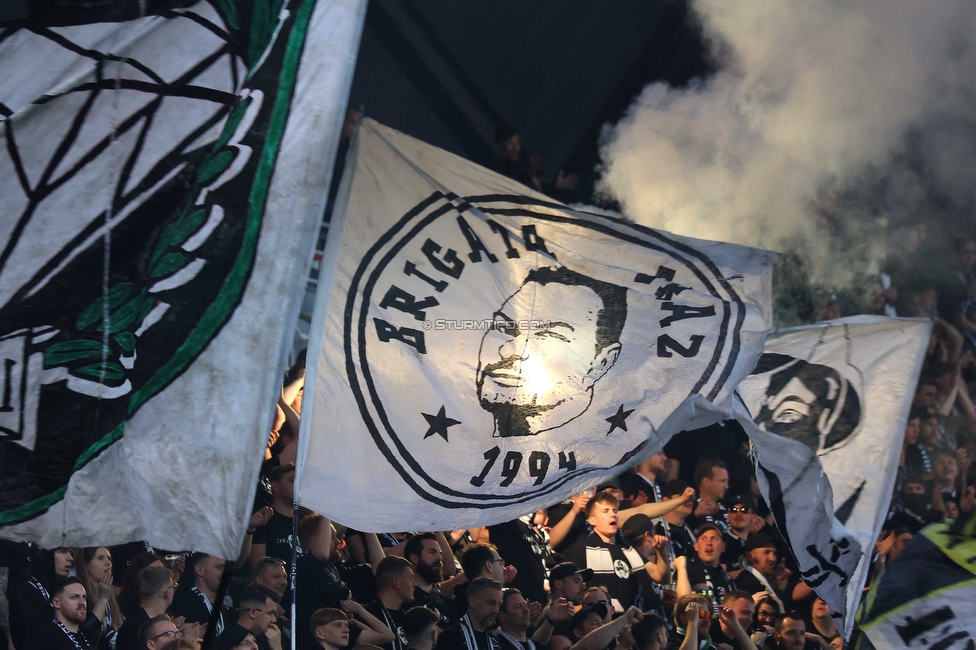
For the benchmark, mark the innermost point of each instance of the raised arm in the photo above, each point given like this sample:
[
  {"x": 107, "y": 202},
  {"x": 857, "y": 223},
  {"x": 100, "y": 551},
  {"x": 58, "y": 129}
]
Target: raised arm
[
  {"x": 653, "y": 510},
  {"x": 375, "y": 631},
  {"x": 559, "y": 532},
  {"x": 602, "y": 636}
]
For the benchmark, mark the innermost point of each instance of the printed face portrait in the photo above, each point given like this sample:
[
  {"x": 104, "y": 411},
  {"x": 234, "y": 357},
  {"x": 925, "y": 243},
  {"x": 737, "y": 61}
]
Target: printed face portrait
[
  {"x": 807, "y": 402},
  {"x": 539, "y": 378}
]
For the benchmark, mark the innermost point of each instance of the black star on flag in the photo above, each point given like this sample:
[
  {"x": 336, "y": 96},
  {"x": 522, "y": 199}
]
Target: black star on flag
[
  {"x": 618, "y": 420},
  {"x": 439, "y": 423}
]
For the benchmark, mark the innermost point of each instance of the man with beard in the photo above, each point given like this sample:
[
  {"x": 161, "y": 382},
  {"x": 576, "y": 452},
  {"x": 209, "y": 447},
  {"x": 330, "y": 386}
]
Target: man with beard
[
  {"x": 701, "y": 573},
  {"x": 70, "y": 611},
  {"x": 424, "y": 552},
  {"x": 395, "y": 585},
  {"x": 651, "y": 471},
  {"x": 762, "y": 558},
  {"x": 473, "y": 631},
  {"x": 515, "y": 620},
  {"x": 791, "y": 634}
]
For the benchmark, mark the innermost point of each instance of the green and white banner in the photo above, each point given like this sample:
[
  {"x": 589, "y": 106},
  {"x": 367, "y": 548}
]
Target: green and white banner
[{"x": 161, "y": 179}]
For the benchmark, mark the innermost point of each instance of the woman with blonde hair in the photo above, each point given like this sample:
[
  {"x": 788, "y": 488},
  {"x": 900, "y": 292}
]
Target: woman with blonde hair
[{"x": 94, "y": 567}]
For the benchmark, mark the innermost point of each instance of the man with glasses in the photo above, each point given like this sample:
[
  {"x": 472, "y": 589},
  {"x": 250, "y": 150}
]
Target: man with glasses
[
  {"x": 481, "y": 561},
  {"x": 741, "y": 516},
  {"x": 157, "y": 632},
  {"x": 156, "y": 588},
  {"x": 258, "y": 610}
]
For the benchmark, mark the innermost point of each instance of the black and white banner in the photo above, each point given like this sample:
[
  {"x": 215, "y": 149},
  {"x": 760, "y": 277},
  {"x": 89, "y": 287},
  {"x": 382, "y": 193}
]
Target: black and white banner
[
  {"x": 484, "y": 351},
  {"x": 163, "y": 172},
  {"x": 827, "y": 405}
]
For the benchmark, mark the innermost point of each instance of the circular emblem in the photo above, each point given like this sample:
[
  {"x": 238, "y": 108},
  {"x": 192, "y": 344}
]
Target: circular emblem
[
  {"x": 621, "y": 569},
  {"x": 500, "y": 348}
]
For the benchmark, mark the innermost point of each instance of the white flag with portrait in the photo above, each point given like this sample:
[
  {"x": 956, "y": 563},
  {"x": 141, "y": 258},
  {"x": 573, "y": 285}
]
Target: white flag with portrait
[
  {"x": 826, "y": 408},
  {"x": 483, "y": 351}
]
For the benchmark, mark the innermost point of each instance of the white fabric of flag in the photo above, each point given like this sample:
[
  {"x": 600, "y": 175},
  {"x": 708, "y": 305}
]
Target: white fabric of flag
[
  {"x": 484, "y": 351},
  {"x": 826, "y": 408},
  {"x": 161, "y": 181}
]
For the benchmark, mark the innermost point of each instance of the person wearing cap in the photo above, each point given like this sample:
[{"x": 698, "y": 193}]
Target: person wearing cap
[
  {"x": 761, "y": 558},
  {"x": 639, "y": 534},
  {"x": 238, "y": 638},
  {"x": 566, "y": 584},
  {"x": 612, "y": 633},
  {"x": 615, "y": 566},
  {"x": 586, "y": 620},
  {"x": 702, "y": 573},
  {"x": 741, "y": 515}
]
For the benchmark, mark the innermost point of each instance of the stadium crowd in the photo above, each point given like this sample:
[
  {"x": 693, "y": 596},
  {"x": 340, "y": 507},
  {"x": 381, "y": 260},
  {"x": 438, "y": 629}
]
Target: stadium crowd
[{"x": 679, "y": 552}]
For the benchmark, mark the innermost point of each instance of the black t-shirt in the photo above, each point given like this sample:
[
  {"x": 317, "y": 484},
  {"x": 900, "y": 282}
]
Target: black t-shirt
[
  {"x": 718, "y": 636},
  {"x": 720, "y": 518},
  {"x": 453, "y": 639},
  {"x": 29, "y": 608},
  {"x": 682, "y": 539},
  {"x": 733, "y": 557},
  {"x": 438, "y": 603},
  {"x": 51, "y": 637},
  {"x": 712, "y": 582},
  {"x": 391, "y": 619},
  {"x": 276, "y": 536},
  {"x": 129, "y": 632},
  {"x": 316, "y": 587},
  {"x": 193, "y": 609},
  {"x": 749, "y": 583},
  {"x": 519, "y": 545}
]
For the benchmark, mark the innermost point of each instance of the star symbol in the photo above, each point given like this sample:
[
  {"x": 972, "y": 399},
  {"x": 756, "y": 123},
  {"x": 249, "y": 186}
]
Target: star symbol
[
  {"x": 619, "y": 419},
  {"x": 438, "y": 424}
]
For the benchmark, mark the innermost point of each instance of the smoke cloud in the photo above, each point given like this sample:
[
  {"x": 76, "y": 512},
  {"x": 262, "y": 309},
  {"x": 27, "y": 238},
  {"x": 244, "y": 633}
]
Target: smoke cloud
[{"x": 832, "y": 128}]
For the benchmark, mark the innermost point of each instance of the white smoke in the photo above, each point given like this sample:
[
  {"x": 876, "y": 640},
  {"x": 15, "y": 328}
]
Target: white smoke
[{"x": 828, "y": 124}]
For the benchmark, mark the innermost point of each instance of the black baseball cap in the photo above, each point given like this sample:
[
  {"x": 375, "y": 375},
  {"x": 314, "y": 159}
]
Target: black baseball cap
[
  {"x": 674, "y": 487},
  {"x": 759, "y": 540},
  {"x": 565, "y": 569},
  {"x": 636, "y": 525},
  {"x": 744, "y": 499},
  {"x": 586, "y": 610}
]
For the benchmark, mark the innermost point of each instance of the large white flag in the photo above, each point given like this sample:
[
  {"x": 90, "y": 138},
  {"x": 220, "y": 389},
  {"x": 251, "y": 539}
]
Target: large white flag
[
  {"x": 827, "y": 405},
  {"x": 160, "y": 183},
  {"x": 484, "y": 351}
]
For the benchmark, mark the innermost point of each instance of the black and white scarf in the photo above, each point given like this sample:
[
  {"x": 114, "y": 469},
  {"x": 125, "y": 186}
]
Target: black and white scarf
[
  {"x": 74, "y": 637},
  {"x": 206, "y": 601}
]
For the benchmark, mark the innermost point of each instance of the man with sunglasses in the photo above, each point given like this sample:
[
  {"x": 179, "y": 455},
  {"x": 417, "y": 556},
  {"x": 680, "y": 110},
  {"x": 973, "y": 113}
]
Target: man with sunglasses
[
  {"x": 693, "y": 620},
  {"x": 741, "y": 516}
]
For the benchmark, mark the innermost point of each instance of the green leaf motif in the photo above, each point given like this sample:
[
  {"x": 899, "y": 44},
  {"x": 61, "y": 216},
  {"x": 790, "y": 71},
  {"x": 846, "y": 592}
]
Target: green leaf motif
[
  {"x": 231, "y": 124},
  {"x": 214, "y": 166},
  {"x": 66, "y": 351},
  {"x": 169, "y": 264},
  {"x": 112, "y": 371},
  {"x": 124, "y": 317},
  {"x": 94, "y": 312},
  {"x": 180, "y": 230},
  {"x": 126, "y": 341}
]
